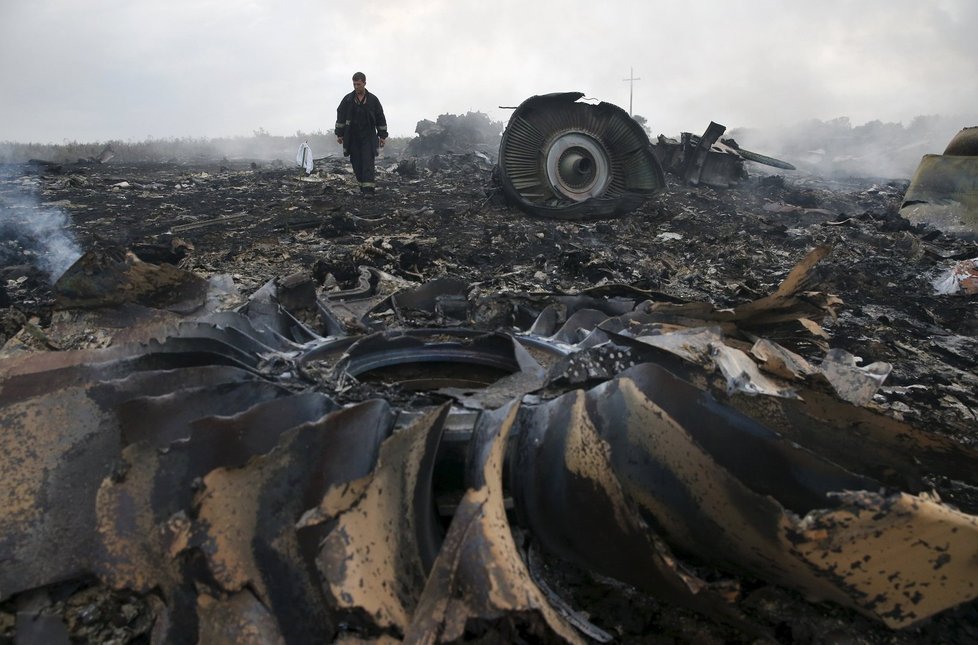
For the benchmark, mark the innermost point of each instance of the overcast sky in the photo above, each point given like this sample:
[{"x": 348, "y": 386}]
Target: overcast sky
[{"x": 97, "y": 70}]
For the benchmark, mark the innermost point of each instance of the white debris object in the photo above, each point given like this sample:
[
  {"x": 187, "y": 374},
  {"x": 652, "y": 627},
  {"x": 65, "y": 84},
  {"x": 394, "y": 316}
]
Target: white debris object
[
  {"x": 303, "y": 157},
  {"x": 962, "y": 277}
]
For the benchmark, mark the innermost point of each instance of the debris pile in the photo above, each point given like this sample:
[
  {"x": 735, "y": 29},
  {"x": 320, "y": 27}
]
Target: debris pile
[
  {"x": 233, "y": 441},
  {"x": 473, "y": 131},
  {"x": 280, "y": 410}
]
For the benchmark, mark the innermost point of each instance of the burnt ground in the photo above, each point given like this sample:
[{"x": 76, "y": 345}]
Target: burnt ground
[{"x": 440, "y": 218}]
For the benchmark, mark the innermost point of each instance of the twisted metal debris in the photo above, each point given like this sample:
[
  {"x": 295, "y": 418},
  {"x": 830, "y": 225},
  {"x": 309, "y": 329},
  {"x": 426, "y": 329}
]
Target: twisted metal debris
[
  {"x": 570, "y": 160},
  {"x": 216, "y": 468}
]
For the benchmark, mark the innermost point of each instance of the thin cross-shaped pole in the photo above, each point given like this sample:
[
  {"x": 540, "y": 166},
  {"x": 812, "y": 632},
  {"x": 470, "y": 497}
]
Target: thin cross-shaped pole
[{"x": 631, "y": 86}]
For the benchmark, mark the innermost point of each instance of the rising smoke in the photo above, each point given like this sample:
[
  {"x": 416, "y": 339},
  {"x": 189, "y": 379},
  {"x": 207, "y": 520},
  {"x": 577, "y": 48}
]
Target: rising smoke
[
  {"x": 837, "y": 148},
  {"x": 36, "y": 235}
]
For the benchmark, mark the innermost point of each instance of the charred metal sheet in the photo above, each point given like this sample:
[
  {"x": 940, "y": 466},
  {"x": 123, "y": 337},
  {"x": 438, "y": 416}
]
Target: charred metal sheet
[
  {"x": 442, "y": 298},
  {"x": 144, "y": 514},
  {"x": 706, "y": 159},
  {"x": 859, "y": 439},
  {"x": 161, "y": 480},
  {"x": 62, "y": 438},
  {"x": 161, "y": 420},
  {"x": 942, "y": 192},
  {"x": 54, "y": 485},
  {"x": 265, "y": 312},
  {"x": 375, "y": 561},
  {"x": 567, "y": 494},
  {"x": 479, "y": 576},
  {"x": 756, "y": 157},
  {"x": 350, "y": 309},
  {"x": 592, "y": 364},
  {"x": 706, "y": 346},
  {"x": 262, "y": 334},
  {"x": 697, "y": 150},
  {"x": 696, "y": 472},
  {"x": 427, "y": 297},
  {"x": 530, "y": 376},
  {"x": 248, "y": 517},
  {"x": 570, "y": 160},
  {"x": 239, "y": 335},
  {"x": 50, "y": 371},
  {"x": 853, "y": 383}
]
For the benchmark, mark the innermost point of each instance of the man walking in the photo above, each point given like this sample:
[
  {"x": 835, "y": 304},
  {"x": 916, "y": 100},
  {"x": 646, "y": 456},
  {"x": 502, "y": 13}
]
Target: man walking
[{"x": 361, "y": 128}]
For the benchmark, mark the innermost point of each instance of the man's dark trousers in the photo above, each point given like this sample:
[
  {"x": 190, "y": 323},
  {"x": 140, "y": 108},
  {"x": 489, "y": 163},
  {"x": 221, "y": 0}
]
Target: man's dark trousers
[{"x": 361, "y": 149}]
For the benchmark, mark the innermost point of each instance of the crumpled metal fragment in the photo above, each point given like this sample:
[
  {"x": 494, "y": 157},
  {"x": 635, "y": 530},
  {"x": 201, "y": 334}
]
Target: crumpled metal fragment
[
  {"x": 479, "y": 575},
  {"x": 705, "y": 481}
]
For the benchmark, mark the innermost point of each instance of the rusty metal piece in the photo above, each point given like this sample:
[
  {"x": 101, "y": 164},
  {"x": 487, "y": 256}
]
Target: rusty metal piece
[
  {"x": 568, "y": 494},
  {"x": 159, "y": 479},
  {"x": 61, "y": 439},
  {"x": 248, "y": 516},
  {"x": 144, "y": 521},
  {"x": 902, "y": 557},
  {"x": 479, "y": 575},
  {"x": 54, "y": 485},
  {"x": 730, "y": 491},
  {"x": 570, "y": 160},
  {"x": 236, "y": 620},
  {"x": 375, "y": 561},
  {"x": 54, "y": 456}
]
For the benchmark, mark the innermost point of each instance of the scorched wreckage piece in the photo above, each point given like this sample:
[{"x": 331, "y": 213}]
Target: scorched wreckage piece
[
  {"x": 570, "y": 160},
  {"x": 217, "y": 469},
  {"x": 943, "y": 190},
  {"x": 709, "y": 160}
]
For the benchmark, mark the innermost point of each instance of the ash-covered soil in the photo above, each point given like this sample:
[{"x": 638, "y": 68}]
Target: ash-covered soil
[{"x": 440, "y": 217}]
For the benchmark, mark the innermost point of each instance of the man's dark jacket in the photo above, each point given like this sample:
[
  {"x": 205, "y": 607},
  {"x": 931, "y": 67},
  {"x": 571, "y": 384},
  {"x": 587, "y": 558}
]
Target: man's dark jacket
[{"x": 376, "y": 122}]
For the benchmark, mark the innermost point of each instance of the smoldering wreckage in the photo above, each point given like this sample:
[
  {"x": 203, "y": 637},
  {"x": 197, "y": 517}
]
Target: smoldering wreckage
[{"x": 589, "y": 390}]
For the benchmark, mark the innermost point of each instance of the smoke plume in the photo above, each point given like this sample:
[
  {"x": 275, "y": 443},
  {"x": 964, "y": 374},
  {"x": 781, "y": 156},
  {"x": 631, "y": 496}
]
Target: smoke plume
[{"x": 37, "y": 235}]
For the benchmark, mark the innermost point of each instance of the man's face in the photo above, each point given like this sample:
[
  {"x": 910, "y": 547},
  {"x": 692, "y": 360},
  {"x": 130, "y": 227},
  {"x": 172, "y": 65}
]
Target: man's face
[{"x": 358, "y": 85}]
